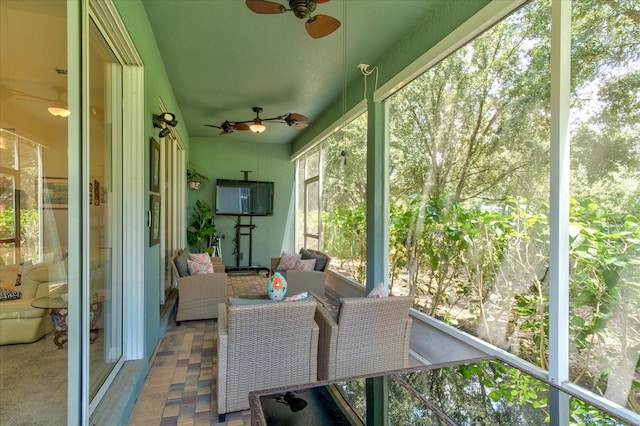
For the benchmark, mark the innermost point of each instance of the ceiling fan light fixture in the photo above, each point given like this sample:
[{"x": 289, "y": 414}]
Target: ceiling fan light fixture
[
  {"x": 292, "y": 119},
  {"x": 59, "y": 111},
  {"x": 257, "y": 127},
  {"x": 59, "y": 108},
  {"x": 302, "y": 8}
]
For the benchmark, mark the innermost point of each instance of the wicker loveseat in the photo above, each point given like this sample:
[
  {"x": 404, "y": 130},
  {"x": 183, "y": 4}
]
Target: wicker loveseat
[
  {"x": 370, "y": 336},
  {"x": 262, "y": 346},
  {"x": 199, "y": 295},
  {"x": 309, "y": 281}
]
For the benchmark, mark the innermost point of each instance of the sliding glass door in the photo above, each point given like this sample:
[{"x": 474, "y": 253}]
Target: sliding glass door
[
  {"x": 102, "y": 290},
  {"x": 34, "y": 211}
]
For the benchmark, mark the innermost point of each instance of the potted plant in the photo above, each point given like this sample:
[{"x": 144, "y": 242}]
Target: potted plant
[
  {"x": 195, "y": 179},
  {"x": 202, "y": 231}
]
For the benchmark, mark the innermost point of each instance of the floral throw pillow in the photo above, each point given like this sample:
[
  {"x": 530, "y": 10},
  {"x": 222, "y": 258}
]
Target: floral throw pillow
[
  {"x": 305, "y": 265},
  {"x": 200, "y": 257},
  {"x": 288, "y": 261},
  {"x": 196, "y": 268},
  {"x": 378, "y": 291},
  {"x": 299, "y": 296}
]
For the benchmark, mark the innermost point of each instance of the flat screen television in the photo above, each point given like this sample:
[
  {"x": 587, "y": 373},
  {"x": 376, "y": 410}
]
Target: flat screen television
[{"x": 244, "y": 198}]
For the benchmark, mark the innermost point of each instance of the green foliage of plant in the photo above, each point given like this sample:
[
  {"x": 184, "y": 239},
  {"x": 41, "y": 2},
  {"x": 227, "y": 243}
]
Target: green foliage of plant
[
  {"x": 7, "y": 225},
  {"x": 194, "y": 176},
  {"x": 346, "y": 235},
  {"x": 29, "y": 235},
  {"x": 605, "y": 279},
  {"x": 202, "y": 230}
]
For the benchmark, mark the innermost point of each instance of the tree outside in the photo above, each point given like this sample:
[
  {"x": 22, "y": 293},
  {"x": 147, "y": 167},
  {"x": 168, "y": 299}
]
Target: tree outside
[
  {"x": 469, "y": 173},
  {"x": 470, "y": 141}
]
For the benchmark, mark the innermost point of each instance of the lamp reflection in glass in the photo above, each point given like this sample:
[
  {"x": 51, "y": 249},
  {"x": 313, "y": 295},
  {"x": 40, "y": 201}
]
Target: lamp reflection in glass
[
  {"x": 59, "y": 108},
  {"x": 257, "y": 126},
  {"x": 294, "y": 402},
  {"x": 59, "y": 111}
]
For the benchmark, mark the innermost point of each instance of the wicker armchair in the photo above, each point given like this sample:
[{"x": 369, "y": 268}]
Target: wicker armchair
[
  {"x": 264, "y": 346},
  {"x": 371, "y": 336},
  {"x": 199, "y": 295}
]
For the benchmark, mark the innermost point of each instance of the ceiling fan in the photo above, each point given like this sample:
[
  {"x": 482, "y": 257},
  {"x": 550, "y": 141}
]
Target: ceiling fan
[
  {"x": 317, "y": 25},
  {"x": 57, "y": 106},
  {"x": 292, "y": 119},
  {"x": 229, "y": 126}
]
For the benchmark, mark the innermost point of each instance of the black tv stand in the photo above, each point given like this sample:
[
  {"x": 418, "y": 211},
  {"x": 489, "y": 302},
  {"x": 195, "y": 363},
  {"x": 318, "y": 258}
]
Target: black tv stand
[{"x": 245, "y": 230}]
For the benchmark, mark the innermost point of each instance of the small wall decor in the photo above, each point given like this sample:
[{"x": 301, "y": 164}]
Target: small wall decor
[
  {"x": 154, "y": 230},
  {"x": 155, "y": 166},
  {"x": 96, "y": 193},
  {"x": 195, "y": 179},
  {"x": 55, "y": 193}
]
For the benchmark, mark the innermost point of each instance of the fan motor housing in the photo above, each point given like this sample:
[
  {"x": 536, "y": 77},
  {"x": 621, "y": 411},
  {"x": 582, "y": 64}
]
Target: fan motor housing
[{"x": 302, "y": 8}]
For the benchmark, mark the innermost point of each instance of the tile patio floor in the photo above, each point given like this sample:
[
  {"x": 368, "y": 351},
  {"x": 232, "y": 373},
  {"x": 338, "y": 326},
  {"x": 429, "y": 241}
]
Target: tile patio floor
[{"x": 178, "y": 389}]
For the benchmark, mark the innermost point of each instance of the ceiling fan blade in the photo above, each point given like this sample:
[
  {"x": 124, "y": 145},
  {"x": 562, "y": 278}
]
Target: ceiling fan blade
[
  {"x": 298, "y": 126},
  {"x": 241, "y": 126},
  {"x": 8, "y": 93},
  {"x": 265, "y": 7},
  {"x": 211, "y": 125},
  {"x": 322, "y": 1},
  {"x": 297, "y": 117},
  {"x": 321, "y": 25}
]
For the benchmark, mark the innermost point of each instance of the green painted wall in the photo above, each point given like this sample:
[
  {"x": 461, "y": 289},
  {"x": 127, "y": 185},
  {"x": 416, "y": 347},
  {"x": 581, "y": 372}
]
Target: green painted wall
[
  {"x": 226, "y": 158},
  {"x": 156, "y": 88}
]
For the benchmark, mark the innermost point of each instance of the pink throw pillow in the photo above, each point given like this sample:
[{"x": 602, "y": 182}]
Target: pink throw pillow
[
  {"x": 378, "y": 291},
  {"x": 196, "y": 268},
  {"x": 288, "y": 261},
  {"x": 305, "y": 265},
  {"x": 200, "y": 257},
  {"x": 298, "y": 296}
]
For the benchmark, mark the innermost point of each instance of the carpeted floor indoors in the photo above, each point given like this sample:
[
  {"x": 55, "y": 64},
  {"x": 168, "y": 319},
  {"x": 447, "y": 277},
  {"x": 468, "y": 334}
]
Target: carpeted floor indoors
[{"x": 33, "y": 377}]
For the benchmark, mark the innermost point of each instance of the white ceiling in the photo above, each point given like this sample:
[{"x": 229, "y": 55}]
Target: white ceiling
[{"x": 29, "y": 82}]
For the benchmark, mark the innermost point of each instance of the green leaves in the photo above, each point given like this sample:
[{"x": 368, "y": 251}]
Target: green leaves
[{"x": 202, "y": 230}]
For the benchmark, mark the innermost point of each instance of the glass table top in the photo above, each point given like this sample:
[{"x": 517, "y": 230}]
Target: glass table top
[{"x": 485, "y": 392}]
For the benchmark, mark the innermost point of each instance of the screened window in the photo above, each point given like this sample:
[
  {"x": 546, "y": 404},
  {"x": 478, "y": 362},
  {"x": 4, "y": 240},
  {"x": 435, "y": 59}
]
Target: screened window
[
  {"x": 333, "y": 188},
  {"x": 469, "y": 191},
  {"x": 604, "y": 209}
]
